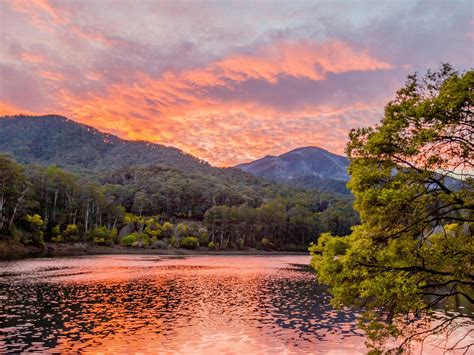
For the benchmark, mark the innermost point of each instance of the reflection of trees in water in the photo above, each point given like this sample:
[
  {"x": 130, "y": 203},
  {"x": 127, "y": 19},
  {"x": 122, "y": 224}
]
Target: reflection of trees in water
[
  {"x": 455, "y": 303},
  {"x": 168, "y": 308},
  {"x": 28, "y": 312},
  {"x": 71, "y": 316},
  {"x": 296, "y": 302}
]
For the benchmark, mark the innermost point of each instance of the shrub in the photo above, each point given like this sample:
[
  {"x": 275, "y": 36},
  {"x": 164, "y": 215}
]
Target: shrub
[
  {"x": 144, "y": 238},
  {"x": 116, "y": 238},
  {"x": 174, "y": 242},
  {"x": 129, "y": 240},
  {"x": 35, "y": 221},
  {"x": 167, "y": 230},
  {"x": 35, "y": 226},
  {"x": 213, "y": 245},
  {"x": 152, "y": 228},
  {"x": 135, "y": 240},
  {"x": 189, "y": 243},
  {"x": 103, "y": 235},
  {"x": 193, "y": 230},
  {"x": 203, "y": 236},
  {"x": 70, "y": 234},
  {"x": 132, "y": 218},
  {"x": 71, "y": 229},
  {"x": 181, "y": 230},
  {"x": 266, "y": 244},
  {"x": 16, "y": 234},
  {"x": 56, "y": 230},
  {"x": 57, "y": 238}
]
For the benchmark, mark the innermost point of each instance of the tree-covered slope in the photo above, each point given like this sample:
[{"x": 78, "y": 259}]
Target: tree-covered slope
[{"x": 56, "y": 140}]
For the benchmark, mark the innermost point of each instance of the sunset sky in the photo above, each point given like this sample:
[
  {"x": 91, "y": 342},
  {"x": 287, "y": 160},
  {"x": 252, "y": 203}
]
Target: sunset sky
[{"x": 226, "y": 81}]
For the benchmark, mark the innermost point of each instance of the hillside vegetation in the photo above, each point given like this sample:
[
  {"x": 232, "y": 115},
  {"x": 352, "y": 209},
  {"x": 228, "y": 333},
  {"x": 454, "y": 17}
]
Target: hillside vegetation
[{"x": 158, "y": 197}]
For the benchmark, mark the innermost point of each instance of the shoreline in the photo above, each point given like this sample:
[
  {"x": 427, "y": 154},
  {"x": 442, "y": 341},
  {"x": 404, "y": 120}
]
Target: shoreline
[{"x": 14, "y": 251}]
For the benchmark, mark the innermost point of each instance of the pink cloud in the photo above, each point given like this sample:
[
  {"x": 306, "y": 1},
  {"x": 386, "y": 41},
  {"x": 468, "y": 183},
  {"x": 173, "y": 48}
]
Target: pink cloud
[{"x": 227, "y": 86}]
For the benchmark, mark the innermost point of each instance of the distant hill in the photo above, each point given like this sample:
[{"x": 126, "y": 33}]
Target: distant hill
[
  {"x": 56, "y": 140},
  {"x": 308, "y": 167}
]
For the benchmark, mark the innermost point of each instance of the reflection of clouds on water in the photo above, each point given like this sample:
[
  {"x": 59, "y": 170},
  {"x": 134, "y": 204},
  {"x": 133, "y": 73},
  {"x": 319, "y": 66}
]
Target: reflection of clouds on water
[{"x": 198, "y": 305}]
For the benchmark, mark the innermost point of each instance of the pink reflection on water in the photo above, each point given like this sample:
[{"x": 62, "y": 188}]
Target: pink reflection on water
[{"x": 149, "y": 304}]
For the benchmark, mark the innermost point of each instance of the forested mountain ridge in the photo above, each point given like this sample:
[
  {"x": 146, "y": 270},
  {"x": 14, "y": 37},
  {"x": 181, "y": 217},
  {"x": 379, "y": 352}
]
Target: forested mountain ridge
[
  {"x": 135, "y": 194},
  {"x": 57, "y": 140},
  {"x": 307, "y": 167}
]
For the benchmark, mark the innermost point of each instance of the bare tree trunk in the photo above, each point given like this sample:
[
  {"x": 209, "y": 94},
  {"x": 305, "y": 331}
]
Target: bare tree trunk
[
  {"x": 98, "y": 217},
  {"x": 16, "y": 208},
  {"x": 2, "y": 203},
  {"x": 86, "y": 224},
  {"x": 54, "y": 203},
  {"x": 213, "y": 226}
]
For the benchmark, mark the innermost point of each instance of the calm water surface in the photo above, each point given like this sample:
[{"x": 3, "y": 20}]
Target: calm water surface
[{"x": 150, "y": 304}]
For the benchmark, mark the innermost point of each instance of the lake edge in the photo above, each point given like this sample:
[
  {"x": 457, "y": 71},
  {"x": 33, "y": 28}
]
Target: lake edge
[{"x": 13, "y": 251}]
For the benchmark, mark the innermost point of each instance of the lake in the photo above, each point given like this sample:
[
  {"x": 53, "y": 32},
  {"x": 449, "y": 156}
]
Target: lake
[
  {"x": 176, "y": 305},
  {"x": 150, "y": 304}
]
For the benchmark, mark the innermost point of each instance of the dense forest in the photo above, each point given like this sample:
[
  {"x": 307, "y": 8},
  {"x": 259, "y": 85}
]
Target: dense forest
[
  {"x": 159, "y": 207},
  {"x": 62, "y": 181}
]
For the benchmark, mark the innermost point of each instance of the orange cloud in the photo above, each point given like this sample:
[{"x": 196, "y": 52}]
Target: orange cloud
[
  {"x": 6, "y": 109},
  {"x": 40, "y": 12},
  {"x": 187, "y": 109},
  {"x": 301, "y": 59},
  {"x": 52, "y": 76},
  {"x": 31, "y": 57},
  {"x": 298, "y": 59}
]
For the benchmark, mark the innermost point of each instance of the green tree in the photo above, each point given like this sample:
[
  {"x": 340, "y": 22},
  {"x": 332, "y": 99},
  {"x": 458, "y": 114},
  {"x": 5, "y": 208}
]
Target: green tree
[
  {"x": 182, "y": 230},
  {"x": 13, "y": 193},
  {"x": 103, "y": 236},
  {"x": 34, "y": 226},
  {"x": 70, "y": 233},
  {"x": 414, "y": 246},
  {"x": 141, "y": 202},
  {"x": 167, "y": 230},
  {"x": 189, "y": 243}
]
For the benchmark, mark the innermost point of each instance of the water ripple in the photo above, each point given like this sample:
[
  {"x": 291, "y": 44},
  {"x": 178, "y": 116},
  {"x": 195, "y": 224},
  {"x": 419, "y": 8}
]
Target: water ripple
[{"x": 193, "y": 305}]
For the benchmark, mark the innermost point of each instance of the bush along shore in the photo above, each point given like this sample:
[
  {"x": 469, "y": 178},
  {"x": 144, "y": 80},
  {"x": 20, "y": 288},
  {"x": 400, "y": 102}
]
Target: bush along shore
[{"x": 138, "y": 235}]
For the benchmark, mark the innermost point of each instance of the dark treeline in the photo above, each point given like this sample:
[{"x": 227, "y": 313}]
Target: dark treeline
[
  {"x": 221, "y": 209},
  {"x": 288, "y": 224},
  {"x": 35, "y": 201}
]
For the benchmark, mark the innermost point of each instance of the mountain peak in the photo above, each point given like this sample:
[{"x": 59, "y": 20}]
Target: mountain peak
[
  {"x": 309, "y": 147},
  {"x": 308, "y": 166}
]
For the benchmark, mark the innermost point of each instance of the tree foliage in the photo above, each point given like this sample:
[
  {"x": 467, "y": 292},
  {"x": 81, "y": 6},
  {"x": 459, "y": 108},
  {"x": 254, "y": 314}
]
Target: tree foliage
[
  {"x": 414, "y": 247},
  {"x": 238, "y": 210}
]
